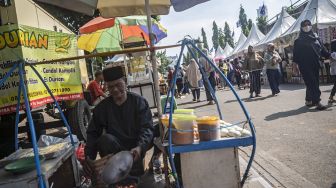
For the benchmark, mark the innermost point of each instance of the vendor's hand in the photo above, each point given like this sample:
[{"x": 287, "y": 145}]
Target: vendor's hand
[
  {"x": 88, "y": 167},
  {"x": 136, "y": 152}
]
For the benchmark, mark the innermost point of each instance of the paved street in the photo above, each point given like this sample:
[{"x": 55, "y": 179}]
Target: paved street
[{"x": 296, "y": 146}]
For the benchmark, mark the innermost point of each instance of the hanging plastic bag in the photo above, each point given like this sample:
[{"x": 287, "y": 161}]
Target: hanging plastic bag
[{"x": 46, "y": 140}]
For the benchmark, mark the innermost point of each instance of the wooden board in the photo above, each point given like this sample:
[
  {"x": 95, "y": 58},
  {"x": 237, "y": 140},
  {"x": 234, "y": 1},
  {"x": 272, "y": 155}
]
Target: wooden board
[{"x": 211, "y": 168}]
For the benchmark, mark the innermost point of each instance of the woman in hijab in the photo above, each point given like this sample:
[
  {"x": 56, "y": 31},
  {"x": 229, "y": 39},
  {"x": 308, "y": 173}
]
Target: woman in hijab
[
  {"x": 237, "y": 71},
  {"x": 194, "y": 76},
  {"x": 272, "y": 60},
  {"x": 307, "y": 53}
]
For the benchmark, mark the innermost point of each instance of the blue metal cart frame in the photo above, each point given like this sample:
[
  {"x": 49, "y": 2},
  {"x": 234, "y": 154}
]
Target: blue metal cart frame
[{"x": 227, "y": 143}]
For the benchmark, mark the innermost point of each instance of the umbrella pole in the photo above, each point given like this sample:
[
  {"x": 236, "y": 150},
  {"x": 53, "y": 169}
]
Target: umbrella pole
[
  {"x": 153, "y": 60},
  {"x": 156, "y": 85}
]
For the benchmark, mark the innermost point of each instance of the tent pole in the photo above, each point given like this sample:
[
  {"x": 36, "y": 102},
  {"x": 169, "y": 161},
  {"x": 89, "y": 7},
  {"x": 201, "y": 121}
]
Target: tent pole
[
  {"x": 156, "y": 83},
  {"x": 153, "y": 60}
]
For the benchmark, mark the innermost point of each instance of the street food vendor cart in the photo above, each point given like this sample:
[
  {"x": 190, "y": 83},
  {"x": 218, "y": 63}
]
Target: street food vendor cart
[
  {"x": 212, "y": 160},
  {"x": 196, "y": 150}
]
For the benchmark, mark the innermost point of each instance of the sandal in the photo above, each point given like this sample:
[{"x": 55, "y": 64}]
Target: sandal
[{"x": 319, "y": 106}]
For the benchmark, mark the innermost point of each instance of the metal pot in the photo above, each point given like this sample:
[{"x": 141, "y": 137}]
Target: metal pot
[{"x": 117, "y": 168}]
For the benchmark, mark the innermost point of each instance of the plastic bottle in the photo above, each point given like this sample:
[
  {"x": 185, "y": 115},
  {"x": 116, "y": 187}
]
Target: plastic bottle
[{"x": 157, "y": 171}]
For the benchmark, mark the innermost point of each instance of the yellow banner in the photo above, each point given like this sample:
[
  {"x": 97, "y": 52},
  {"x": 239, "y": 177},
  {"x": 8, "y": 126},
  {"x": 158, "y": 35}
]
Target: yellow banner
[{"x": 19, "y": 42}]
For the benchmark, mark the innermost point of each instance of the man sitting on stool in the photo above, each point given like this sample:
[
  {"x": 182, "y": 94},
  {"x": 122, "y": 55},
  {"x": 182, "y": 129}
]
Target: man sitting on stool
[{"x": 122, "y": 121}]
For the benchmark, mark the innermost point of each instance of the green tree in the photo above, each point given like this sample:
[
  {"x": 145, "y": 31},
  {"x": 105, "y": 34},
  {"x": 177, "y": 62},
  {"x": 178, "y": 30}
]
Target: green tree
[
  {"x": 199, "y": 44},
  {"x": 215, "y": 35},
  {"x": 243, "y": 21},
  {"x": 250, "y": 23},
  {"x": 68, "y": 18},
  {"x": 204, "y": 39},
  {"x": 186, "y": 58},
  {"x": 262, "y": 24},
  {"x": 194, "y": 51},
  {"x": 162, "y": 56},
  {"x": 221, "y": 38},
  {"x": 228, "y": 35},
  {"x": 156, "y": 17}
]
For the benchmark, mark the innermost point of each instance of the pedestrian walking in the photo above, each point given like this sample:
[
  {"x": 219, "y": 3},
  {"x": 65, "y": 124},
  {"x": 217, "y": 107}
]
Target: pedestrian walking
[
  {"x": 186, "y": 89},
  {"x": 333, "y": 71},
  {"x": 221, "y": 68},
  {"x": 307, "y": 53},
  {"x": 283, "y": 68},
  {"x": 231, "y": 74},
  {"x": 170, "y": 76},
  {"x": 210, "y": 75},
  {"x": 272, "y": 60},
  {"x": 254, "y": 64},
  {"x": 240, "y": 59},
  {"x": 225, "y": 71},
  {"x": 194, "y": 76},
  {"x": 237, "y": 71},
  {"x": 179, "y": 81}
]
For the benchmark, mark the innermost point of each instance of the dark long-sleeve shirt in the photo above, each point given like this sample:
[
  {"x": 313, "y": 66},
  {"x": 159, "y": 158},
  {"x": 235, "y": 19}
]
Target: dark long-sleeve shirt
[
  {"x": 307, "y": 52},
  {"x": 131, "y": 123}
]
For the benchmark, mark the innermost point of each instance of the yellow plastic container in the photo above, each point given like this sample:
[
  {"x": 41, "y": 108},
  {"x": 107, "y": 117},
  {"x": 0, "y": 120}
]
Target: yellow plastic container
[
  {"x": 209, "y": 128},
  {"x": 183, "y": 128},
  {"x": 180, "y": 121},
  {"x": 184, "y": 111}
]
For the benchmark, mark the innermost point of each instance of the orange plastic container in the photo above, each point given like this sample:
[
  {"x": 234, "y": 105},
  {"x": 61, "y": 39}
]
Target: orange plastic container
[
  {"x": 209, "y": 128},
  {"x": 182, "y": 138}
]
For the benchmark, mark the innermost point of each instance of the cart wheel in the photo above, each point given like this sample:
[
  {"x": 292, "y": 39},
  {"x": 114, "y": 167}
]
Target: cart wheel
[{"x": 79, "y": 118}]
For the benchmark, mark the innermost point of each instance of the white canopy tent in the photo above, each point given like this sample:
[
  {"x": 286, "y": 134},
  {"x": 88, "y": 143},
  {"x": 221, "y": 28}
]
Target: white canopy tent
[
  {"x": 241, "y": 41},
  {"x": 320, "y": 12},
  {"x": 253, "y": 38},
  {"x": 219, "y": 54},
  {"x": 227, "y": 50},
  {"x": 283, "y": 23}
]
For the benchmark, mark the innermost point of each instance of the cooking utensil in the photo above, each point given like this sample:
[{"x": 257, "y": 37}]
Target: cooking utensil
[{"x": 117, "y": 168}]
